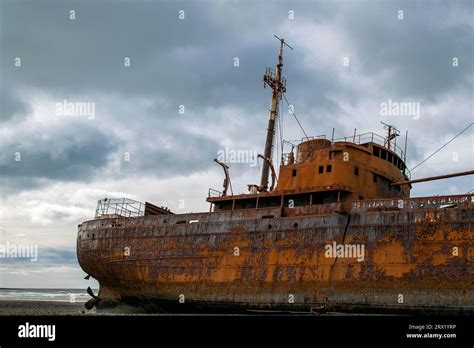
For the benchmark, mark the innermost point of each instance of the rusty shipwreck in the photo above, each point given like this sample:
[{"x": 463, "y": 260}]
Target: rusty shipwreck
[{"x": 335, "y": 230}]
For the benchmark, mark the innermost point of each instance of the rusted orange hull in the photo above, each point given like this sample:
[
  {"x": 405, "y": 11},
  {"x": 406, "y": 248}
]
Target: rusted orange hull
[{"x": 418, "y": 256}]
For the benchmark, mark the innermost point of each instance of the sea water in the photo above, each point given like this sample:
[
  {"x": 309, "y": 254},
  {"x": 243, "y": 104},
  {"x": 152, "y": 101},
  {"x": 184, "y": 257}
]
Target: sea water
[{"x": 59, "y": 295}]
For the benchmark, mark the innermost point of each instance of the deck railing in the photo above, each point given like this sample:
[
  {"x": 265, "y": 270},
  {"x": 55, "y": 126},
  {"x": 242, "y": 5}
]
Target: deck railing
[
  {"x": 438, "y": 202},
  {"x": 359, "y": 139},
  {"x": 371, "y": 137},
  {"x": 214, "y": 193},
  {"x": 119, "y": 206}
]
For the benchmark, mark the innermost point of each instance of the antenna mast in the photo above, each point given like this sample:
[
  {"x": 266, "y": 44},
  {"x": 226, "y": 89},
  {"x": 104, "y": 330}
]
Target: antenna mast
[
  {"x": 277, "y": 83},
  {"x": 393, "y": 133}
]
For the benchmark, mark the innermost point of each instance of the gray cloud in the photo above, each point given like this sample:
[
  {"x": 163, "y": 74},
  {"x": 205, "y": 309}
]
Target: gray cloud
[
  {"x": 12, "y": 108},
  {"x": 190, "y": 62},
  {"x": 71, "y": 153},
  {"x": 418, "y": 49}
]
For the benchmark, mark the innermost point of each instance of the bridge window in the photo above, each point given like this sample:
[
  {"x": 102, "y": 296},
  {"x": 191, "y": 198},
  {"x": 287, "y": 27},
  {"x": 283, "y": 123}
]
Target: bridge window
[
  {"x": 264, "y": 202},
  {"x": 329, "y": 168},
  {"x": 321, "y": 169},
  {"x": 294, "y": 172},
  {"x": 356, "y": 171},
  {"x": 375, "y": 177}
]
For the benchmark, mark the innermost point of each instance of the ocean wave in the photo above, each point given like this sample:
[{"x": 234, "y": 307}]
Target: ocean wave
[{"x": 60, "y": 295}]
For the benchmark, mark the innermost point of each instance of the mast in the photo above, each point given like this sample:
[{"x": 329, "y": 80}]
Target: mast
[
  {"x": 393, "y": 133},
  {"x": 277, "y": 83}
]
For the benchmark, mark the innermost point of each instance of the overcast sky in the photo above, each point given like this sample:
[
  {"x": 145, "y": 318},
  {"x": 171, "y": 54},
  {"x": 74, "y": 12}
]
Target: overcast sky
[{"x": 348, "y": 58}]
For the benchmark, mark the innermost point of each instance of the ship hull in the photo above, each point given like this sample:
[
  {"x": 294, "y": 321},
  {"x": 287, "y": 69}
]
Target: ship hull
[{"x": 417, "y": 258}]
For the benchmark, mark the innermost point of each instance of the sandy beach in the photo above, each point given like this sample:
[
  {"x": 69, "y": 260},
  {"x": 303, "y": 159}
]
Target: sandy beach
[{"x": 12, "y": 307}]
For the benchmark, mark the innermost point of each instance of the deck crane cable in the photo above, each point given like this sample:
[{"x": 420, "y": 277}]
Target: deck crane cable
[
  {"x": 294, "y": 115},
  {"x": 434, "y": 153}
]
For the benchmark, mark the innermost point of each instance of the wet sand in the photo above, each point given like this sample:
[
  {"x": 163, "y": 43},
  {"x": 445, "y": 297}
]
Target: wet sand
[
  {"x": 38, "y": 308},
  {"x": 43, "y": 308}
]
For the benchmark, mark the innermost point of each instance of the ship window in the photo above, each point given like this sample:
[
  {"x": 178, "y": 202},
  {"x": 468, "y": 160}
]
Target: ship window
[
  {"x": 321, "y": 169},
  {"x": 376, "y": 151},
  {"x": 356, "y": 171},
  {"x": 390, "y": 157},
  {"x": 294, "y": 172},
  {"x": 329, "y": 168},
  {"x": 375, "y": 177}
]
